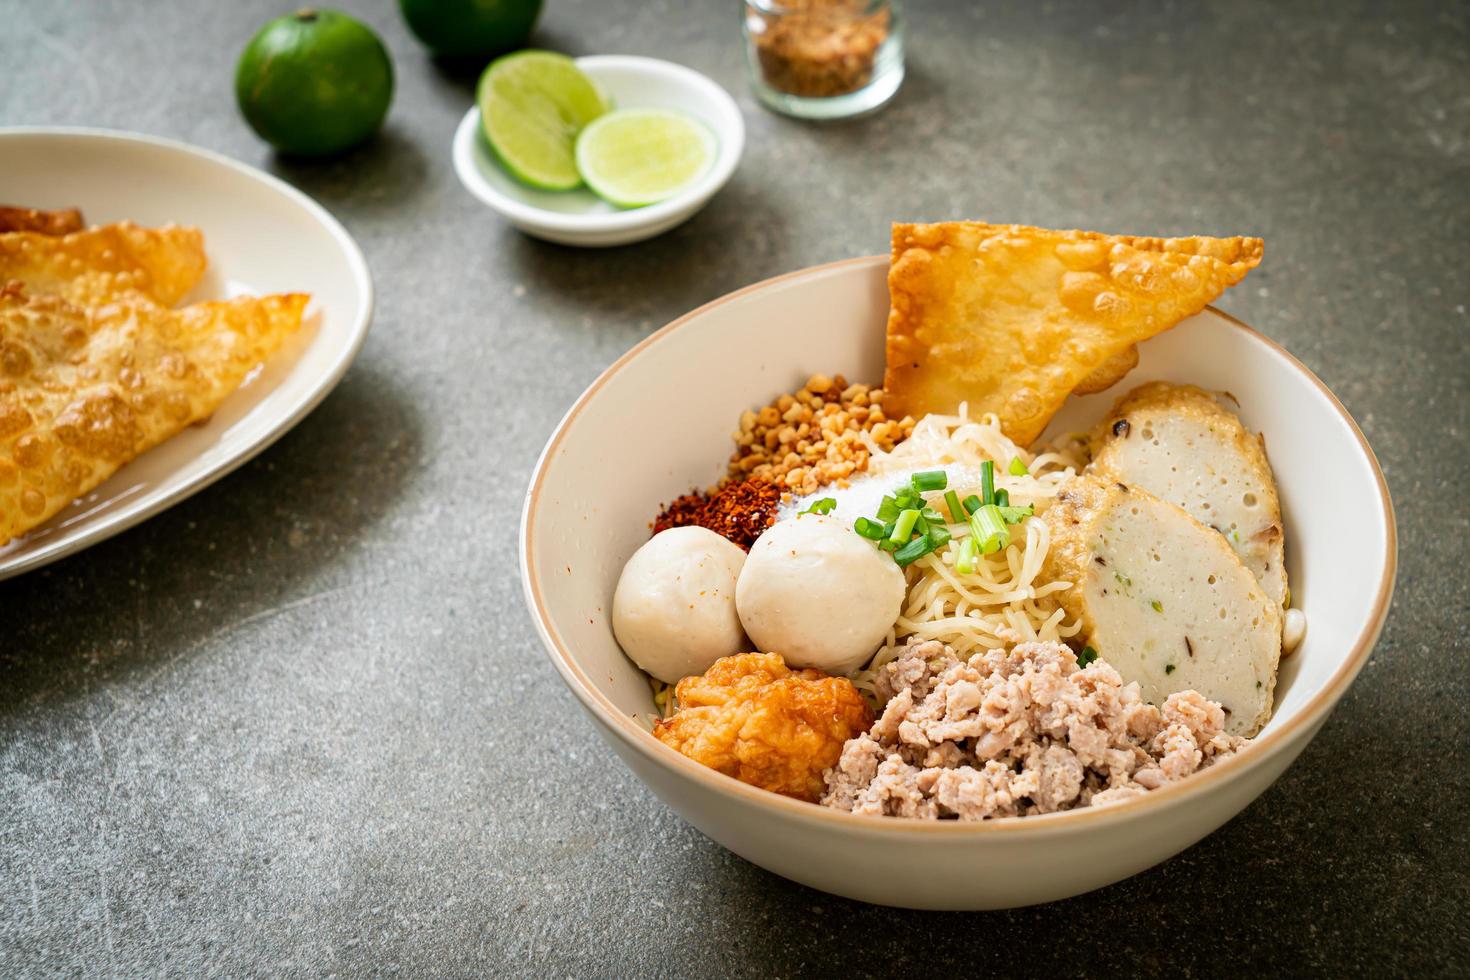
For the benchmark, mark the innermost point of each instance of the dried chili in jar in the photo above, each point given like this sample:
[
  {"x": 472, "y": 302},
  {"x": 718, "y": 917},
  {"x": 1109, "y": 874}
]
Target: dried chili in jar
[{"x": 805, "y": 55}]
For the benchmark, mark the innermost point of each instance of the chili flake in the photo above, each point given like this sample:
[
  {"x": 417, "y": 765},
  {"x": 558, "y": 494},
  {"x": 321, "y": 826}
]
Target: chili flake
[{"x": 738, "y": 512}]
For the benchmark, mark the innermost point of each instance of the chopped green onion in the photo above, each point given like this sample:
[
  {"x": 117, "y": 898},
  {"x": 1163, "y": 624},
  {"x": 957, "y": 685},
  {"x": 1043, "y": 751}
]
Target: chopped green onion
[
  {"x": 972, "y": 504},
  {"x": 930, "y": 480},
  {"x": 888, "y": 509},
  {"x": 1087, "y": 656},
  {"x": 1168, "y": 668},
  {"x": 824, "y": 506},
  {"x": 1158, "y": 606},
  {"x": 965, "y": 563},
  {"x": 987, "y": 482},
  {"x": 1002, "y": 497},
  {"x": 989, "y": 529},
  {"x": 913, "y": 551},
  {"x": 1018, "y": 468},
  {"x": 906, "y": 525},
  {"x": 1015, "y": 515},
  {"x": 957, "y": 513}
]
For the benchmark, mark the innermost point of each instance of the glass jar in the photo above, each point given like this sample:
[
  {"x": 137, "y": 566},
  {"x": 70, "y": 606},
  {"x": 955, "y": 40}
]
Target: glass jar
[{"x": 824, "y": 59}]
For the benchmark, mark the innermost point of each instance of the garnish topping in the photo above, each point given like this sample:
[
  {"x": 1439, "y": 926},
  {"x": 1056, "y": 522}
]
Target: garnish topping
[
  {"x": 965, "y": 562},
  {"x": 824, "y": 506},
  {"x": 909, "y": 528},
  {"x": 957, "y": 512},
  {"x": 930, "y": 480},
  {"x": 989, "y": 527}
]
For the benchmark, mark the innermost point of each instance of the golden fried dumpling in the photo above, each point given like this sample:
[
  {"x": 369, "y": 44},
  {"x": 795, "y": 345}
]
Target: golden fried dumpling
[
  {"x": 1011, "y": 319},
  {"x": 84, "y": 391},
  {"x": 106, "y": 264},
  {"x": 752, "y": 717}
]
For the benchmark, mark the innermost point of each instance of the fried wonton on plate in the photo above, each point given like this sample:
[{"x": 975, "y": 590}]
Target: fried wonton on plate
[
  {"x": 83, "y": 392},
  {"x": 42, "y": 222},
  {"x": 1011, "y": 319},
  {"x": 107, "y": 263}
]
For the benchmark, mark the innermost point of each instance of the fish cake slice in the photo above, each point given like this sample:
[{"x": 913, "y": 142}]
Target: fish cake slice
[
  {"x": 1164, "y": 599},
  {"x": 82, "y": 392},
  {"x": 106, "y": 264},
  {"x": 1179, "y": 443}
]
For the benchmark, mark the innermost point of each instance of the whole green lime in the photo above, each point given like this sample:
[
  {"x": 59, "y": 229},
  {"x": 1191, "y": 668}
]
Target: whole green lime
[
  {"x": 314, "y": 83},
  {"x": 459, "y": 28}
]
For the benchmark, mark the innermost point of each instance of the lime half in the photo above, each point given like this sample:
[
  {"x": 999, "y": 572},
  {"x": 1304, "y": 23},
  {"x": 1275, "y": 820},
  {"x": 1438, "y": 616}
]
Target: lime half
[
  {"x": 635, "y": 157},
  {"x": 532, "y": 106}
]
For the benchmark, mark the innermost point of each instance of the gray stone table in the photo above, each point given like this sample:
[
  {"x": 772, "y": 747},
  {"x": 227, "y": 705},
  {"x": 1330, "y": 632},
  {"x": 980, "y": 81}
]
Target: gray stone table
[{"x": 300, "y": 723}]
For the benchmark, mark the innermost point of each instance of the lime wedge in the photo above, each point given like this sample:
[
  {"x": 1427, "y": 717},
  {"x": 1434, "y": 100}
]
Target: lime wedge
[
  {"x": 532, "y": 106},
  {"x": 635, "y": 157}
]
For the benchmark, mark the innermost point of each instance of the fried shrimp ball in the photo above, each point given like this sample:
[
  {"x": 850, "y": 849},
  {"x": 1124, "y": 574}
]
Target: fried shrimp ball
[{"x": 752, "y": 717}]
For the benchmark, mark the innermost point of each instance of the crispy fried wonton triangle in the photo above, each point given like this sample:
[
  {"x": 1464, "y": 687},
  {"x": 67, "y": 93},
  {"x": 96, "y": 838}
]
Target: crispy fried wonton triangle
[
  {"x": 1011, "y": 319},
  {"x": 83, "y": 392},
  {"x": 44, "y": 222},
  {"x": 106, "y": 264}
]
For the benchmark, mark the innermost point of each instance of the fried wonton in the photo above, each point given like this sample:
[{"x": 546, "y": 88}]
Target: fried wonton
[
  {"x": 106, "y": 264},
  {"x": 42, "y": 222},
  {"x": 84, "y": 391},
  {"x": 1109, "y": 372},
  {"x": 1011, "y": 319}
]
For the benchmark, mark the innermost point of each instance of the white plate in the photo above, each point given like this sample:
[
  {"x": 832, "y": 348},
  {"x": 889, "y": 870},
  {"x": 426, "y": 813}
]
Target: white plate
[
  {"x": 579, "y": 217},
  {"x": 261, "y": 236}
]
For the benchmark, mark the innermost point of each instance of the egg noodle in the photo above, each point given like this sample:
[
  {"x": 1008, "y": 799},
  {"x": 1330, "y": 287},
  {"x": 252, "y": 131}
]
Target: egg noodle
[
  {"x": 1004, "y": 599},
  {"x": 663, "y": 700}
]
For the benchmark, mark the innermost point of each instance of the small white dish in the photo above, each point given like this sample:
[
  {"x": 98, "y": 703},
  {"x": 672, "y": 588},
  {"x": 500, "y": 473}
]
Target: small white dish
[
  {"x": 579, "y": 217},
  {"x": 261, "y": 236},
  {"x": 617, "y": 455}
]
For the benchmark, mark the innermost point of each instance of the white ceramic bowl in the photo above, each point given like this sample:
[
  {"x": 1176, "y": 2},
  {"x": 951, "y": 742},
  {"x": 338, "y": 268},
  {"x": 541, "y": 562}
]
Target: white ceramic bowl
[
  {"x": 260, "y": 236},
  {"x": 658, "y": 422},
  {"x": 579, "y": 217}
]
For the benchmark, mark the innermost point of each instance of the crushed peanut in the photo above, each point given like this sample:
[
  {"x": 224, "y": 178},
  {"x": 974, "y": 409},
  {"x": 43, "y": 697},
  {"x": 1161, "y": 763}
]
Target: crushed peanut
[{"x": 803, "y": 441}]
